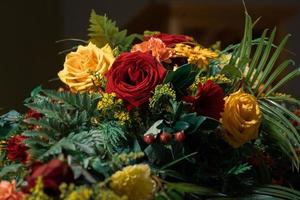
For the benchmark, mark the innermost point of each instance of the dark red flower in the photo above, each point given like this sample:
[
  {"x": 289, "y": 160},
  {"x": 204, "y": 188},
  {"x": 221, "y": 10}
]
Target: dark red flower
[
  {"x": 208, "y": 101},
  {"x": 16, "y": 149},
  {"x": 52, "y": 174},
  {"x": 33, "y": 114},
  {"x": 170, "y": 39},
  {"x": 133, "y": 77}
]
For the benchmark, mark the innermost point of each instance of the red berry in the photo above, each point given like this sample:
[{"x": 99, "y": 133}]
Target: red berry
[
  {"x": 180, "y": 136},
  {"x": 149, "y": 138},
  {"x": 165, "y": 137}
]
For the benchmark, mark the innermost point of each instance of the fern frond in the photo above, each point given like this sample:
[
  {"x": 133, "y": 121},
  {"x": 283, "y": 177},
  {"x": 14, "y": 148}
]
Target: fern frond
[{"x": 104, "y": 31}]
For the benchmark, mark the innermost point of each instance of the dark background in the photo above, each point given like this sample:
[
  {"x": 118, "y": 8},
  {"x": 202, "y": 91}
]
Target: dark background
[{"x": 29, "y": 55}]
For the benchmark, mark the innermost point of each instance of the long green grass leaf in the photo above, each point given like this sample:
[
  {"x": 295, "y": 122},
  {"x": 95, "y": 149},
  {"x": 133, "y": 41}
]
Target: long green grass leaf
[
  {"x": 264, "y": 58},
  {"x": 275, "y": 75},
  {"x": 270, "y": 65},
  {"x": 288, "y": 77},
  {"x": 256, "y": 56}
]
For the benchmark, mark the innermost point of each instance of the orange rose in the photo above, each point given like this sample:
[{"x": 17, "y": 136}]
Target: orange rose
[
  {"x": 8, "y": 191},
  {"x": 157, "y": 48},
  {"x": 83, "y": 66}
]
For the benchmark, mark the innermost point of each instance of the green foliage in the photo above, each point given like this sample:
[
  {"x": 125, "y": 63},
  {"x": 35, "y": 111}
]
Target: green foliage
[
  {"x": 188, "y": 71},
  {"x": 277, "y": 192},
  {"x": 239, "y": 169},
  {"x": 261, "y": 70},
  {"x": 277, "y": 127},
  {"x": 9, "y": 124},
  {"x": 69, "y": 125},
  {"x": 13, "y": 168},
  {"x": 104, "y": 31}
]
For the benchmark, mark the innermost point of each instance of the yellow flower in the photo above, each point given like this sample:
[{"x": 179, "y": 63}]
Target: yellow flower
[
  {"x": 241, "y": 118},
  {"x": 224, "y": 59},
  {"x": 108, "y": 101},
  {"x": 122, "y": 117},
  {"x": 82, "y": 193},
  {"x": 134, "y": 182},
  {"x": 196, "y": 55},
  {"x": 82, "y": 67},
  {"x": 109, "y": 195}
]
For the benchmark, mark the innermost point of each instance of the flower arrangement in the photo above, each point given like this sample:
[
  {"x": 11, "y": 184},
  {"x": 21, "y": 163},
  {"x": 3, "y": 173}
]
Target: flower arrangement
[{"x": 157, "y": 116}]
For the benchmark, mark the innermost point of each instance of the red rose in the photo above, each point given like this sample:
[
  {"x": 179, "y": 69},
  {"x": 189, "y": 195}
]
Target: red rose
[
  {"x": 52, "y": 174},
  {"x": 170, "y": 39},
  {"x": 208, "y": 101},
  {"x": 133, "y": 77},
  {"x": 16, "y": 149}
]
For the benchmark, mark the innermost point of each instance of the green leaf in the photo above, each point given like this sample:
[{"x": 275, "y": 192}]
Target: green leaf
[
  {"x": 182, "y": 78},
  {"x": 181, "y": 125},
  {"x": 177, "y": 161},
  {"x": 13, "y": 168},
  {"x": 239, "y": 169},
  {"x": 232, "y": 71},
  {"x": 270, "y": 65},
  {"x": 278, "y": 192},
  {"x": 104, "y": 31},
  {"x": 194, "y": 189}
]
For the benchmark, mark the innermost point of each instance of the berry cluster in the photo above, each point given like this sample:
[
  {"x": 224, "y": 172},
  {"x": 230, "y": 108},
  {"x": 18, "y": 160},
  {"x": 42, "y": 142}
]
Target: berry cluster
[{"x": 165, "y": 137}]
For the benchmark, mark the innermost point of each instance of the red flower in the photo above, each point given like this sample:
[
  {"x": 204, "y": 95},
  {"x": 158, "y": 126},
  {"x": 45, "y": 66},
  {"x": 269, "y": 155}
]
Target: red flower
[
  {"x": 208, "y": 101},
  {"x": 52, "y": 174},
  {"x": 170, "y": 39},
  {"x": 33, "y": 114},
  {"x": 133, "y": 77},
  {"x": 16, "y": 149}
]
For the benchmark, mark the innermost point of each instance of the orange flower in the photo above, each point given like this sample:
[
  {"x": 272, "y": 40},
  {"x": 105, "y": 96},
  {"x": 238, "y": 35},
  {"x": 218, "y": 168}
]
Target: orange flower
[
  {"x": 8, "y": 191},
  {"x": 157, "y": 48}
]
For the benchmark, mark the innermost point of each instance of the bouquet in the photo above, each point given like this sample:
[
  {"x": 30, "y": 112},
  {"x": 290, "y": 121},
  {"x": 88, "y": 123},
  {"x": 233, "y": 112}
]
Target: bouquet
[{"x": 157, "y": 116}]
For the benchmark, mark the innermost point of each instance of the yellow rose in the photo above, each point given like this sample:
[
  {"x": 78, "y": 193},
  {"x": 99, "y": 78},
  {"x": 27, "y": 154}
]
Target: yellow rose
[
  {"x": 241, "y": 118},
  {"x": 82, "y": 67}
]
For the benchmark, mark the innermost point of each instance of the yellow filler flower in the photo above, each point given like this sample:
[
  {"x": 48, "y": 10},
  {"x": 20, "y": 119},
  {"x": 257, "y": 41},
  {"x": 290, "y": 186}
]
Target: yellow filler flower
[{"x": 241, "y": 118}]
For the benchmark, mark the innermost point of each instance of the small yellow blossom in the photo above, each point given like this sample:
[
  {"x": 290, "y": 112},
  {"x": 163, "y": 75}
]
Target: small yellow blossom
[
  {"x": 37, "y": 192},
  {"x": 82, "y": 193},
  {"x": 241, "y": 118},
  {"x": 134, "y": 182},
  {"x": 109, "y": 195},
  {"x": 224, "y": 60},
  {"x": 122, "y": 117},
  {"x": 160, "y": 91},
  {"x": 126, "y": 158},
  {"x": 109, "y": 101},
  {"x": 196, "y": 55},
  {"x": 219, "y": 79},
  {"x": 2, "y": 144}
]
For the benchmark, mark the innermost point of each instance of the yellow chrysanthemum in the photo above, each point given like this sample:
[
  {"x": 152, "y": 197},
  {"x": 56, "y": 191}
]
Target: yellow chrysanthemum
[
  {"x": 241, "y": 118},
  {"x": 134, "y": 182},
  {"x": 109, "y": 195},
  {"x": 196, "y": 55}
]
